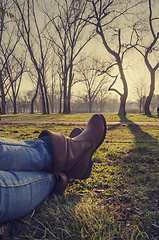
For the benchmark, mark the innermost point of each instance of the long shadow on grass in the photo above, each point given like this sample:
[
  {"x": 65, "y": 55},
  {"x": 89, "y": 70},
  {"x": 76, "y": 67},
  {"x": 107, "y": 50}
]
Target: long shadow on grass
[
  {"x": 140, "y": 135},
  {"x": 143, "y": 177}
]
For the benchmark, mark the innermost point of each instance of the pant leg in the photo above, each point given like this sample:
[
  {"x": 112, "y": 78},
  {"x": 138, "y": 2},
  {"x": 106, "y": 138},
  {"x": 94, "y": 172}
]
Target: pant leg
[
  {"x": 20, "y": 155},
  {"x": 20, "y": 192}
]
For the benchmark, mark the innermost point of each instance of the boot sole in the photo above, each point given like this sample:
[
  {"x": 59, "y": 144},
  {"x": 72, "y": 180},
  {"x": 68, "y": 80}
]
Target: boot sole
[
  {"x": 89, "y": 168},
  {"x": 105, "y": 129}
]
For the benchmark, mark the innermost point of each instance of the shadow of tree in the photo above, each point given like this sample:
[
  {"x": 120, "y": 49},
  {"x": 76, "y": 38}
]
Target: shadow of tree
[
  {"x": 135, "y": 129},
  {"x": 143, "y": 176}
]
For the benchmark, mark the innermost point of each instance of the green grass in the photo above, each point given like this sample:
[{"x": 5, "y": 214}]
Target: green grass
[
  {"x": 78, "y": 117},
  {"x": 121, "y": 197}
]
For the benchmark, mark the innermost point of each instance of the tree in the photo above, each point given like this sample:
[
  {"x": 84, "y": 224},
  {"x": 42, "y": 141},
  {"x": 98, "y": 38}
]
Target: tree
[
  {"x": 68, "y": 40},
  {"x": 53, "y": 85},
  {"x": 15, "y": 68},
  {"x": 148, "y": 49},
  {"x": 155, "y": 102},
  {"x": 108, "y": 18},
  {"x": 9, "y": 41},
  {"x": 28, "y": 26},
  {"x": 102, "y": 97},
  {"x": 93, "y": 83},
  {"x": 140, "y": 90}
]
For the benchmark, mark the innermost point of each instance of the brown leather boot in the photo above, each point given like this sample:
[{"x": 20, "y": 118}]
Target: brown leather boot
[
  {"x": 75, "y": 132},
  {"x": 72, "y": 156},
  {"x": 62, "y": 179},
  {"x": 61, "y": 184}
]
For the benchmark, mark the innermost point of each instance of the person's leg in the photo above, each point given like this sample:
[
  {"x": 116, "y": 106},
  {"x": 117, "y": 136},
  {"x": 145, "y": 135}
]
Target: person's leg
[
  {"x": 34, "y": 155},
  {"x": 20, "y": 192}
]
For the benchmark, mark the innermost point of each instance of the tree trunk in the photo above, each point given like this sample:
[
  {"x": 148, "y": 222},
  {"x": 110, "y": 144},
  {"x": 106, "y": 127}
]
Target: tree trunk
[
  {"x": 42, "y": 93},
  {"x": 52, "y": 97},
  {"x": 33, "y": 99},
  {"x": 14, "y": 105},
  {"x": 90, "y": 106},
  {"x": 122, "y": 111},
  {"x": 65, "y": 96},
  {"x": 3, "y": 111},
  {"x": 70, "y": 85},
  {"x": 140, "y": 105},
  {"x": 69, "y": 99},
  {"x": 46, "y": 96},
  {"x": 149, "y": 97},
  {"x": 60, "y": 100},
  {"x": 123, "y": 96}
]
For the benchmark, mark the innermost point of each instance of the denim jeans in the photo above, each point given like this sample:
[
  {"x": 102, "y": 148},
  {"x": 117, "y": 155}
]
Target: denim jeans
[{"x": 23, "y": 184}]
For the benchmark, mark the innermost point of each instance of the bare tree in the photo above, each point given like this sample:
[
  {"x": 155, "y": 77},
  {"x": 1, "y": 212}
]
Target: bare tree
[
  {"x": 28, "y": 26},
  {"x": 9, "y": 41},
  {"x": 15, "y": 68},
  {"x": 148, "y": 46},
  {"x": 102, "y": 97},
  {"x": 93, "y": 83},
  {"x": 68, "y": 40},
  {"x": 140, "y": 91},
  {"x": 108, "y": 18},
  {"x": 53, "y": 84}
]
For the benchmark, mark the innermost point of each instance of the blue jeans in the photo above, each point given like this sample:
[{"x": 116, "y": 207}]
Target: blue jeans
[{"x": 23, "y": 184}]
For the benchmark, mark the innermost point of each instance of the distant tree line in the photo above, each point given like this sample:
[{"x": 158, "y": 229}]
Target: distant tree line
[
  {"x": 79, "y": 104},
  {"x": 50, "y": 42}
]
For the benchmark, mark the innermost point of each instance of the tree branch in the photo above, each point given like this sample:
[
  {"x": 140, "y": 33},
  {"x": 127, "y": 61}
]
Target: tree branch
[{"x": 113, "y": 89}]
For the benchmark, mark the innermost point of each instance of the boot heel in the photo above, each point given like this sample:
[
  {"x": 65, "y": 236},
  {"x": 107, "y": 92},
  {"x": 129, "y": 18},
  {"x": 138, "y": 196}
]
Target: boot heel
[
  {"x": 88, "y": 171},
  {"x": 61, "y": 184}
]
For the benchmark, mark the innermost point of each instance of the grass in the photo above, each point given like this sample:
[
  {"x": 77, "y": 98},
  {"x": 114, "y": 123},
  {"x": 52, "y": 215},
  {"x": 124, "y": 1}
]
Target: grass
[
  {"x": 78, "y": 117},
  {"x": 119, "y": 199}
]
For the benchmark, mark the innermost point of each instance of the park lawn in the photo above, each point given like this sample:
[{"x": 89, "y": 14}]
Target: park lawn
[
  {"x": 78, "y": 117},
  {"x": 121, "y": 197}
]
